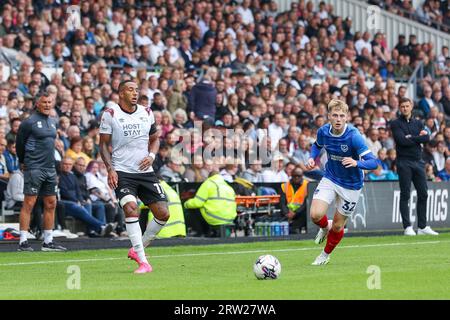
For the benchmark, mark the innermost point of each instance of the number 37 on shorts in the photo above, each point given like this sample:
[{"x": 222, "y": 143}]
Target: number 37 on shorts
[{"x": 346, "y": 199}]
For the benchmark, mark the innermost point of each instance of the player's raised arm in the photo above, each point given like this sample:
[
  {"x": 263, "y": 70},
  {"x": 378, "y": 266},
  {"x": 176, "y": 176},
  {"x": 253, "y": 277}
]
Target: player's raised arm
[
  {"x": 153, "y": 142},
  {"x": 315, "y": 151},
  {"x": 367, "y": 162},
  {"x": 153, "y": 146},
  {"x": 367, "y": 159},
  {"x": 105, "y": 141}
]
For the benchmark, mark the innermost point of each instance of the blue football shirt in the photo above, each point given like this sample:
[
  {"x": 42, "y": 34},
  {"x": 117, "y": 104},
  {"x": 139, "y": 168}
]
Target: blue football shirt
[{"x": 348, "y": 144}]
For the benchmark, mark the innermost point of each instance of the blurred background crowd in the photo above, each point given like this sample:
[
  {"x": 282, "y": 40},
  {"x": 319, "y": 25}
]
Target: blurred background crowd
[{"x": 433, "y": 13}]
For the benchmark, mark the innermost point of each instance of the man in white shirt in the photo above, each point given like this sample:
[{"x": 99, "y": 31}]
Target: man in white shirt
[
  {"x": 372, "y": 141},
  {"x": 173, "y": 51},
  {"x": 152, "y": 88},
  {"x": 3, "y": 101},
  {"x": 228, "y": 173},
  {"x": 364, "y": 42},
  {"x": 442, "y": 57},
  {"x": 204, "y": 23},
  {"x": 156, "y": 48},
  {"x": 114, "y": 26},
  {"x": 14, "y": 190},
  {"x": 141, "y": 38},
  {"x": 245, "y": 12},
  {"x": 302, "y": 154},
  {"x": 276, "y": 130},
  {"x": 253, "y": 172},
  {"x": 301, "y": 38},
  {"x": 323, "y": 11},
  {"x": 275, "y": 173}
]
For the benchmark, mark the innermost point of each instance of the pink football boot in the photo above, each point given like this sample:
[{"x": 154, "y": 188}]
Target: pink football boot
[
  {"x": 133, "y": 255},
  {"x": 144, "y": 268}
]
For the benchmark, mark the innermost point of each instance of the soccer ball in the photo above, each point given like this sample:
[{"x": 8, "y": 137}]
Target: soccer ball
[{"x": 267, "y": 267}]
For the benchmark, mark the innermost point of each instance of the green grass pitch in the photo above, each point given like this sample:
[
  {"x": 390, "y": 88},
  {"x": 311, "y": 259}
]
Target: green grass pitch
[{"x": 409, "y": 268}]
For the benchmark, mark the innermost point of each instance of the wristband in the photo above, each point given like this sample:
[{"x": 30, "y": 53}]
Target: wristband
[{"x": 152, "y": 155}]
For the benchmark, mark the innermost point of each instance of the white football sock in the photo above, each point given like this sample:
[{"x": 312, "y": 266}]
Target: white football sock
[
  {"x": 23, "y": 236},
  {"x": 48, "y": 236},
  {"x": 153, "y": 228},
  {"x": 135, "y": 235}
]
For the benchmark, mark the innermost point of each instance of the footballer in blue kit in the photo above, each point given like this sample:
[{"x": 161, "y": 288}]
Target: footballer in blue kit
[
  {"x": 349, "y": 143},
  {"x": 348, "y": 155}
]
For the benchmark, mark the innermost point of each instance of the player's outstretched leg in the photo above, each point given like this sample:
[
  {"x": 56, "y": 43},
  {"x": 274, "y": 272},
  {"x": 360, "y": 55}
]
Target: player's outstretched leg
[
  {"x": 323, "y": 232},
  {"x": 335, "y": 235},
  {"x": 161, "y": 215},
  {"x": 137, "y": 252},
  {"x": 318, "y": 216}
]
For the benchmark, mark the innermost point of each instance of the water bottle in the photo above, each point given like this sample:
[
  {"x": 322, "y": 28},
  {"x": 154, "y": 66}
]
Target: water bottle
[
  {"x": 268, "y": 229},
  {"x": 285, "y": 228},
  {"x": 258, "y": 228},
  {"x": 272, "y": 228},
  {"x": 278, "y": 229},
  {"x": 263, "y": 228}
]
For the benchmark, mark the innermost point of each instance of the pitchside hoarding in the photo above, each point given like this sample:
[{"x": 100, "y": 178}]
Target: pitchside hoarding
[{"x": 379, "y": 207}]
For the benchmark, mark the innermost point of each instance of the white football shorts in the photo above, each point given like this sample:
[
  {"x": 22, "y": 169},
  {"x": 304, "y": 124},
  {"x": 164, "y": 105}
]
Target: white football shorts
[{"x": 346, "y": 199}]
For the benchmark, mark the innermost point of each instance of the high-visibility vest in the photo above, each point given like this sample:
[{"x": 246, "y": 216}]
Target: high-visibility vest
[
  {"x": 216, "y": 200},
  {"x": 294, "y": 201},
  {"x": 175, "y": 226}
]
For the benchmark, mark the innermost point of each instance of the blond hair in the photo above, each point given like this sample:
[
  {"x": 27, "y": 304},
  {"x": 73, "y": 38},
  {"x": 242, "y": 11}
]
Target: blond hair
[
  {"x": 335, "y": 104},
  {"x": 166, "y": 113}
]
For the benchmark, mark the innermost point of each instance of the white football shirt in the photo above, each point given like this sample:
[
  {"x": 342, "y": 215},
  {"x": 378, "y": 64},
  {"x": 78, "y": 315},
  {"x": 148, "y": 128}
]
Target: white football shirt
[{"x": 130, "y": 136}]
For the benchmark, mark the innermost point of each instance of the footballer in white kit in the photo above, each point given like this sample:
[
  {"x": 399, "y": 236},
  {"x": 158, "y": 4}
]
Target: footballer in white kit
[
  {"x": 130, "y": 136},
  {"x": 130, "y": 130}
]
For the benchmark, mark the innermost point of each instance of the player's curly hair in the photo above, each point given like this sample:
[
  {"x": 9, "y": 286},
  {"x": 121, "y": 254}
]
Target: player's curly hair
[{"x": 335, "y": 104}]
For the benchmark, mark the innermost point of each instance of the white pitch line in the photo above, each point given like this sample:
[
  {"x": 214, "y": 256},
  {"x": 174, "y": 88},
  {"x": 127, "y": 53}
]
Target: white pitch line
[
  {"x": 225, "y": 253},
  {"x": 56, "y": 261}
]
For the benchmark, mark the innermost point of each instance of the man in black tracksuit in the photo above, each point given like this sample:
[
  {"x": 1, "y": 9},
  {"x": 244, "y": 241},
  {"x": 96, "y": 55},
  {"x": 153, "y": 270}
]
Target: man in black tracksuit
[
  {"x": 409, "y": 134},
  {"x": 35, "y": 147}
]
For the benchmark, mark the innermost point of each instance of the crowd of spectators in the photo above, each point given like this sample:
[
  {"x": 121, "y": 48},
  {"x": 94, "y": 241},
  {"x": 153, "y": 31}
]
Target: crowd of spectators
[
  {"x": 238, "y": 65},
  {"x": 433, "y": 13}
]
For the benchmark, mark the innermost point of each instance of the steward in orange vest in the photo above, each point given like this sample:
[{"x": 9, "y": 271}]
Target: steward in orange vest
[{"x": 293, "y": 201}]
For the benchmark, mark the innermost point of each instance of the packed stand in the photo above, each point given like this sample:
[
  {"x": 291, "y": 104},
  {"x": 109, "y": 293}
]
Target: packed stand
[
  {"x": 433, "y": 13},
  {"x": 211, "y": 64}
]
